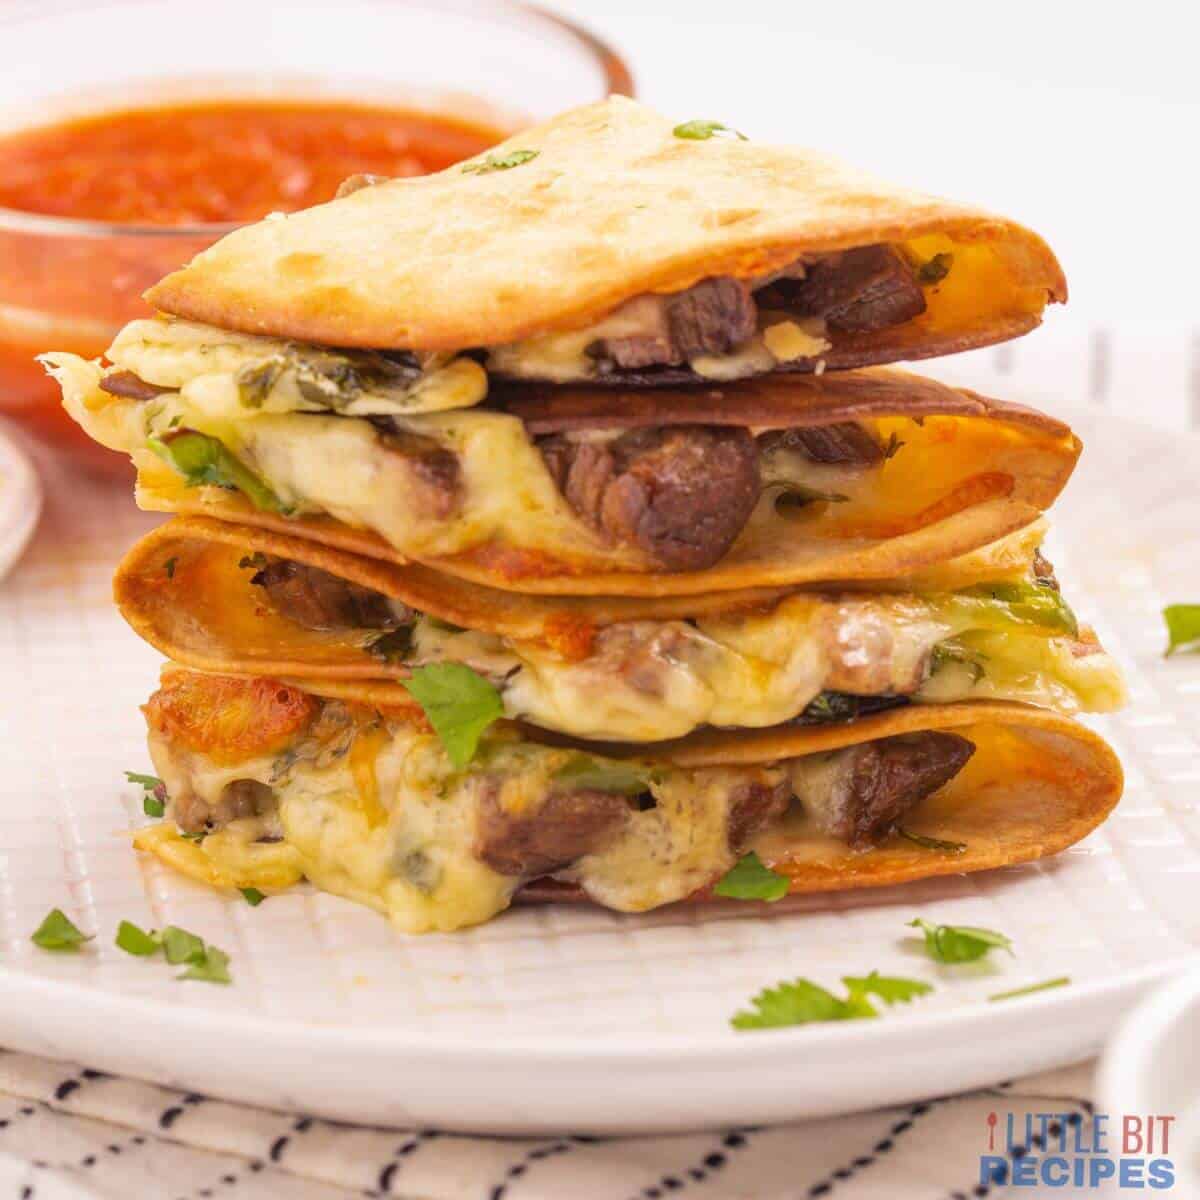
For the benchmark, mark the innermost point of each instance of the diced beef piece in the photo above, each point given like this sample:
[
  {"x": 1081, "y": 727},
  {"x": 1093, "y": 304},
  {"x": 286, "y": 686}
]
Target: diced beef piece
[
  {"x": 681, "y": 493},
  {"x": 752, "y": 807},
  {"x": 130, "y": 386},
  {"x": 845, "y": 444},
  {"x": 855, "y": 291},
  {"x": 434, "y": 475},
  {"x": 317, "y": 599},
  {"x": 565, "y": 826},
  {"x": 241, "y": 798},
  {"x": 862, "y": 793},
  {"x": 714, "y": 316}
]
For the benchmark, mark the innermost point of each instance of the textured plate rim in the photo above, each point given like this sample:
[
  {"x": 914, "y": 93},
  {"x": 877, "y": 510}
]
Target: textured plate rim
[{"x": 960, "y": 1023}]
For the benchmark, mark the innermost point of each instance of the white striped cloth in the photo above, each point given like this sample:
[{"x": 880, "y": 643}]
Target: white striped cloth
[{"x": 67, "y": 1133}]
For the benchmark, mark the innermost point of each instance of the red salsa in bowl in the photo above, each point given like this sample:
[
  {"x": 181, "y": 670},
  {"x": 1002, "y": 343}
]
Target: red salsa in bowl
[{"x": 98, "y": 208}]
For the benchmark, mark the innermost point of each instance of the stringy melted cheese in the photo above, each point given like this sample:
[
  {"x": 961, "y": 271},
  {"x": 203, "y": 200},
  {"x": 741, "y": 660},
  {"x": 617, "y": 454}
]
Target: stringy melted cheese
[
  {"x": 654, "y": 680},
  {"x": 403, "y": 842}
]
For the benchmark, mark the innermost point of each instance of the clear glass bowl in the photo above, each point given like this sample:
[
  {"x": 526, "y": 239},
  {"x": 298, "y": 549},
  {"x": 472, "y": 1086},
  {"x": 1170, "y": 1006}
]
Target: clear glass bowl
[{"x": 70, "y": 284}]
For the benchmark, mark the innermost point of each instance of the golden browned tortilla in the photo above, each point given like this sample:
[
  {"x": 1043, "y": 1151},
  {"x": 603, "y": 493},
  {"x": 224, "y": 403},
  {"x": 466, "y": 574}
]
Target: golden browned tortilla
[
  {"x": 203, "y": 611},
  {"x": 972, "y": 471},
  {"x": 1037, "y": 783},
  {"x": 608, "y": 203}
]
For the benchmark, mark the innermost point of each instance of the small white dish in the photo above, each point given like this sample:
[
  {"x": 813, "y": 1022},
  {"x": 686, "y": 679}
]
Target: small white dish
[
  {"x": 20, "y": 502},
  {"x": 1152, "y": 1067}
]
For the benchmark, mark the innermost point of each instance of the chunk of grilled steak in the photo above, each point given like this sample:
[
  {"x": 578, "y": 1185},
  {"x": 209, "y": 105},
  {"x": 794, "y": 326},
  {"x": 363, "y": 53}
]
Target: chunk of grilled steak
[
  {"x": 681, "y": 493},
  {"x": 541, "y": 838},
  {"x": 855, "y": 291},
  {"x": 862, "y": 793},
  {"x": 752, "y": 807},
  {"x": 434, "y": 474},
  {"x": 714, "y": 316},
  {"x": 845, "y": 444},
  {"x": 317, "y": 599},
  {"x": 240, "y": 798}
]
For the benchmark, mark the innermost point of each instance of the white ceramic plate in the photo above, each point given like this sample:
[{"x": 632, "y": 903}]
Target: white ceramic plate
[
  {"x": 564, "y": 1018},
  {"x": 1152, "y": 1067},
  {"x": 20, "y": 501}
]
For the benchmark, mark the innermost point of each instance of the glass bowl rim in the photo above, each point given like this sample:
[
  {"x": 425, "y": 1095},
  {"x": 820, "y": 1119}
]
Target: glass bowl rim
[{"x": 617, "y": 81}]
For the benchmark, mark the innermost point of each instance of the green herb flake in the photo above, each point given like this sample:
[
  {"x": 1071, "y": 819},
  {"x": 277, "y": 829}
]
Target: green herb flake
[
  {"x": 959, "y": 943},
  {"x": 893, "y": 447},
  {"x": 211, "y": 967},
  {"x": 891, "y": 989},
  {"x": 936, "y": 269},
  {"x": 946, "y": 654},
  {"x": 802, "y": 1002},
  {"x": 931, "y": 843},
  {"x": 391, "y": 647},
  {"x": 751, "y": 879},
  {"x": 169, "y": 566},
  {"x": 1024, "y": 604},
  {"x": 59, "y": 933},
  {"x": 604, "y": 775},
  {"x": 153, "y": 794},
  {"x": 137, "y": 941},
  {"x": 701, "y": 131},
  {"x": 181, "y": 946},
  {"x": 1183, "y": 628},
  {"x": 198, "y": 836},
  {"x": 500, "y": 162},
  {"x": 252, "y": 896},
  {"x": 202, "y": 460},
  {"x": 1061, "y": 981},
  {"x": 459, "y": 703}
]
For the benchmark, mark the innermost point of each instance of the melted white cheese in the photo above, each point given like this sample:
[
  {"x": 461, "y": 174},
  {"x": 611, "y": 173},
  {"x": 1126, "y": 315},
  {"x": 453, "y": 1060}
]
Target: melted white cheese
[{"x": 188, "y": 355}]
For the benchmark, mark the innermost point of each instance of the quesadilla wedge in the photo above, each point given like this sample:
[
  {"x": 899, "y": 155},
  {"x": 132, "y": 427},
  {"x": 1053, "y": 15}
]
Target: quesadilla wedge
[
  {"x": 272, "y": 783},
  {"x": 236, "y": 600},
  {"x": 612, "y": 244},
  {"x": 773, "y": 482}
]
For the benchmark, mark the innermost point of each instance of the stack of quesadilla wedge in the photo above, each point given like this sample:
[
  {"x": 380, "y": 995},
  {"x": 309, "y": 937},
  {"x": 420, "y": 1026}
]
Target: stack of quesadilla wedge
[{"x": 552, "y": 528}]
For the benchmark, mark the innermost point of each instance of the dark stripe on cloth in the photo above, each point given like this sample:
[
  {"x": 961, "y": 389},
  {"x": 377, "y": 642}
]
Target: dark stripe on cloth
[
  {"x": 406, "y": 1148},
  {"x": 514, "y": 1172},
  {"x": 881, "y": 1149},
  {"x": 715, "y": 1160}
]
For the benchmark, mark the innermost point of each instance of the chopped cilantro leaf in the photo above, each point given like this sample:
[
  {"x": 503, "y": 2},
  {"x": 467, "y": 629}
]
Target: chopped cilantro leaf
[
  {"x": 154, "y": 796},
  {"x": 181, "y": 946},
  {"x": 149, "y": 782},
  {"x": 211, "y": 967},
  {"x": 255, "y": 561},
  {"x": 1062, "y": 981},
  {"x": 459, "y": 703},
  {"x": 950, "y": 653},
  {"x": 701, "y": 131},
  {"x": 499, "y": 162},
  {"x": 891, "y": 989},
  {"x": 253, "y": 896},
  {"x": 959, "y": 943},
  {"x": 1183, "y": 628},
  {"x": 134, "y": 940},
  {"x": 751, "y": 879},
  {"x": 169, "y": 566},
  {"x": 801, "y": 1002},
  {"x": 893, "y": 446},
  {"x": 58, "y": 932},
  {"x": 201, "y": 460}
]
